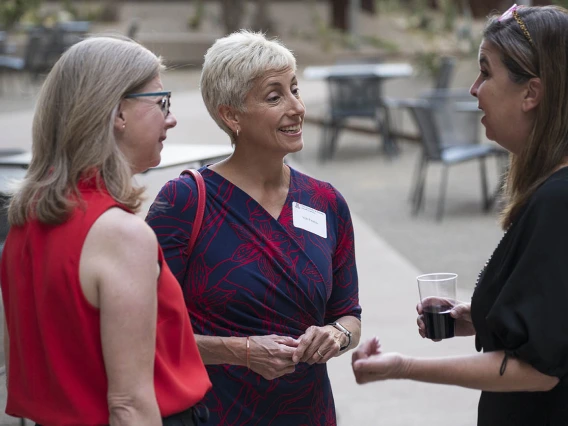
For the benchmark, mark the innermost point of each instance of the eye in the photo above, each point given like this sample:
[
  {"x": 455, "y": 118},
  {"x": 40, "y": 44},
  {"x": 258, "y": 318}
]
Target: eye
[
  {"x": 274, "y": 98},
  {"x": 296, "y": 91}
]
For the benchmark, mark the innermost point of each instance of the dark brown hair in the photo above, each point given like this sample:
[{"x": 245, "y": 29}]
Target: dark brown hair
[{"x": 547, "y": 145}]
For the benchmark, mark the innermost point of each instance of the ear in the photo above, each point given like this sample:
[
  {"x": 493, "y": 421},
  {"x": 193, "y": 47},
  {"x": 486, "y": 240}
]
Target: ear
[
  {"x": 230, "y": 117},
  {"x": 119, "y": 119},
  {"x": 533, "y": 94}
]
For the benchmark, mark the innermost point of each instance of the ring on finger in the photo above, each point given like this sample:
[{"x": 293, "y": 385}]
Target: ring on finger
[{"x": 319, "y": 353}]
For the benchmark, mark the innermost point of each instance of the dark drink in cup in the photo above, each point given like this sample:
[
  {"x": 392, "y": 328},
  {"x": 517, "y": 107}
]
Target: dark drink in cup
[{"x": 439, "y": 322}]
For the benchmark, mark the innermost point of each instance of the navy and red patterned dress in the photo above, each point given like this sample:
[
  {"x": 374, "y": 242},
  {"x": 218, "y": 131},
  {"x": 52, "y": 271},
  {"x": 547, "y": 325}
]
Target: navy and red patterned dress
[{"x": 250, "y": 274}]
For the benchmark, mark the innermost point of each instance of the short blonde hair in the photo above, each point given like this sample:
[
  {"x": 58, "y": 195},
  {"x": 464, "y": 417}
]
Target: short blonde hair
[
  {"x": 233, "y": 64},
  {"x": 73, "y": 128}
]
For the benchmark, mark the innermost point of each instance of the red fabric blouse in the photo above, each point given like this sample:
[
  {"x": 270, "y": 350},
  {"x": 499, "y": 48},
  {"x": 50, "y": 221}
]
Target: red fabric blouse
[{"x": 56, "y": 369}]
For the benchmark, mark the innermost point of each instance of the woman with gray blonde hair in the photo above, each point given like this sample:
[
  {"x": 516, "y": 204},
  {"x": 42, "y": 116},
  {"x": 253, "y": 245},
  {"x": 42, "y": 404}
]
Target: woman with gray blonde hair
[
  {"x": 518, "y": 310},
  {"x": 271, "y": 284},
  {"x": 96, "y": 328}
]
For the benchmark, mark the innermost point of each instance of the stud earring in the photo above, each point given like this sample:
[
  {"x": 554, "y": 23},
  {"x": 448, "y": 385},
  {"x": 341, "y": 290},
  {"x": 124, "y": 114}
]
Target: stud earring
[
  {"x": 124, "y": 126},
  {"x": 237, "y": 133}
]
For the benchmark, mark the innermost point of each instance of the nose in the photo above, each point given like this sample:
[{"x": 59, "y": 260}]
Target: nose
[
  {"x": 171, "y": 120},
  {"x": 297, "y": 106},
  {"x": 474, "y": 87}
]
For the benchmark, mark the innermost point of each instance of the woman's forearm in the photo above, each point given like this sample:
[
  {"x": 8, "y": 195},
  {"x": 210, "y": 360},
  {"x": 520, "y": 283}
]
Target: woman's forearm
[
  {"x": 222, "y": 350},
  {"x": 134, "y": 409},
  {"x": 480, "y": 371}
]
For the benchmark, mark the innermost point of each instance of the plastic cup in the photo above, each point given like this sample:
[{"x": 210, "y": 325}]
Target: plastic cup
[{"x": 438, "y": 297}]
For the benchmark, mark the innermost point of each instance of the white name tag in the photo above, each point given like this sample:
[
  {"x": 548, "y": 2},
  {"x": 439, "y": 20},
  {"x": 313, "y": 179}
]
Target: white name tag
[{"x": 309, "y": 219}]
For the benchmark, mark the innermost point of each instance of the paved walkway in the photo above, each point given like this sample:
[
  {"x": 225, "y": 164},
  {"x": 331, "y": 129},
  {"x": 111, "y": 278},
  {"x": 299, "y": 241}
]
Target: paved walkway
[{"x": 387, "y": 281}]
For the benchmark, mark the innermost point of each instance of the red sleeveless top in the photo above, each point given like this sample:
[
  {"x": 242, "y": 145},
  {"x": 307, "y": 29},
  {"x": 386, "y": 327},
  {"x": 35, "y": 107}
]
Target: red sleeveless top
[{"x": 56, "y": 371}]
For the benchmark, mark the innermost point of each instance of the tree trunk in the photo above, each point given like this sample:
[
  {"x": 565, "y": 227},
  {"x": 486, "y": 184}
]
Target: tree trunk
[
  {"x": 232, "y": 12},
  {"x": 261, "y": 20},
  {"x": 340, "y": 14},
  {"x": 368, "y": 6}
]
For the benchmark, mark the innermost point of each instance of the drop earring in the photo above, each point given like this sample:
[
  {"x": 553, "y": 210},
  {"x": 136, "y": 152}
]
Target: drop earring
[{"x": 237, "y": 133}]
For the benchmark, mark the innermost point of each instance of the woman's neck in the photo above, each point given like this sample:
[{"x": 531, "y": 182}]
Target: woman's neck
[{"x": 254, "y": 170}]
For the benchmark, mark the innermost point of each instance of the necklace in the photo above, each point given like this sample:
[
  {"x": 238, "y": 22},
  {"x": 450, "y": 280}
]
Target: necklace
[{"x": 481, "y": 272}]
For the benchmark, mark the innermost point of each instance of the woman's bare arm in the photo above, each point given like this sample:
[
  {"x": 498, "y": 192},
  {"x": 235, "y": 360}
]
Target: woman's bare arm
[
  {"x": 119, "y": 261},
  {"x": 479, "y": 371}
]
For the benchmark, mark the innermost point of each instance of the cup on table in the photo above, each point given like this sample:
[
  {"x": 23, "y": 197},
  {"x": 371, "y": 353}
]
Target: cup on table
[{"x": 438, "y": 296}]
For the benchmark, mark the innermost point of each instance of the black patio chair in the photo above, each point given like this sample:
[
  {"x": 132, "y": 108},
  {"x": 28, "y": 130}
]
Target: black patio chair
[
  {"x": 32, "y": 63},
  {"x": 62, "y": 37},
  {"x": 443, "y": 77},
  {"x": 442, "y": 81},
  {"x": 350, "y": 97},
  {"x": 447, "y": 153}
]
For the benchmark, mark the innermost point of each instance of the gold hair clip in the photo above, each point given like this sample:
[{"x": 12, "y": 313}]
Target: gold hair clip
[
  {"x": 512, "y": 11},
  {"x": 523, "y": 27}
]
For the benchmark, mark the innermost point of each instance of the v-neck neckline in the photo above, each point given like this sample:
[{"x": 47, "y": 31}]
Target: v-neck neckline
[{"x": 286, "y": 201}]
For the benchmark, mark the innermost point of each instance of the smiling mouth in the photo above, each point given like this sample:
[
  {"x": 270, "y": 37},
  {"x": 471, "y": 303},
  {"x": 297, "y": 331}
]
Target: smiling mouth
[{"x": 291, "y": 129}]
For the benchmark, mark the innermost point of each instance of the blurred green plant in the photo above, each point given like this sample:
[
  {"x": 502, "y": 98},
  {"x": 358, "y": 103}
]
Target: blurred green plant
[
  {"x": 563, "y": 3},
  {"x": 450, "y": 12},
  {"x": 194, "y": 22},
  {"x": 11, "y": 11},
  {"x": 428, "y": 63},
  {"x": 105, "y": 11},
  {"x": 372, "y": 40}
]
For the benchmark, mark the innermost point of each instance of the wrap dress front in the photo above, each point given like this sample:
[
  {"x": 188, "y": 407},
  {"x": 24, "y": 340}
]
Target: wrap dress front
[{"x": 250, "y": 274}]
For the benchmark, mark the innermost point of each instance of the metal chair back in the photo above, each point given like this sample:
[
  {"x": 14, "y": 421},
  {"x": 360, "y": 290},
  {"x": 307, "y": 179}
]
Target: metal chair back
[
  {"x": 446, "y": 72},
  {"x": 423, "y": 114},
  {"x": 354, "y": 96},
  {"x": 455, "y": 127},
  {"x": 35, "y": 51}
]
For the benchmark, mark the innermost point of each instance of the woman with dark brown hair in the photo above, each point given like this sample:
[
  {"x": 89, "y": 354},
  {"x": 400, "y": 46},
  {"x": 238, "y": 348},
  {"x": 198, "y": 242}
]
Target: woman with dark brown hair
[{"x": 518, "y": 310}]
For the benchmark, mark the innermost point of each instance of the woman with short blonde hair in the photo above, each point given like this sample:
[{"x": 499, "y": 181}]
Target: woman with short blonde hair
[{"x": 271, "y": 284}]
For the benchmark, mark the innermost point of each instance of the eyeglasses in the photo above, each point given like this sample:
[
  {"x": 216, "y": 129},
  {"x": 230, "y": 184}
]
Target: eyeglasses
[
  {"x": 165, "y": 103},
  {"x": 512, "y": 12}
]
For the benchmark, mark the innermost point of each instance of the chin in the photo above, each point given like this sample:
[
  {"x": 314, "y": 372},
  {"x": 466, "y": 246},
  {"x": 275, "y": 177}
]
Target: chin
[{"x": 297, "y": 147}]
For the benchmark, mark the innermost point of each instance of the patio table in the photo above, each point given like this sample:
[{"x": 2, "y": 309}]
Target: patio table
[{"x": 355, "y": 90}]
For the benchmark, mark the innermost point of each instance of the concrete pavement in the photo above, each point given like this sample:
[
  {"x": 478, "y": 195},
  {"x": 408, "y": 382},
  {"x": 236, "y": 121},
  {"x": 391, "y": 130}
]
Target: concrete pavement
[{"x": 387, "y": 285}]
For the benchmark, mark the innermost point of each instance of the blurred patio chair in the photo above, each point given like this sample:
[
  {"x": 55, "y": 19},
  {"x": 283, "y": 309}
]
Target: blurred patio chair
[
  {"x": 444, "y": 76},
  {"x": 32, "y": 63},
  {"x": 61, "y": 37},
  {"x": 43, "y": 48},
  {"x": 354, "y": 97},
  {"x": 5, "y": 199},
  {"x": 133, "y": 29},
  {"x": 457, "y": 126},
  {"x": 447, "y": 153},
  {"x": 442, "y": 81}
]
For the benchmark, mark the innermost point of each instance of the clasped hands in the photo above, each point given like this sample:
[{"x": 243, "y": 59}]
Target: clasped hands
[{"x": 273, "y": 356}]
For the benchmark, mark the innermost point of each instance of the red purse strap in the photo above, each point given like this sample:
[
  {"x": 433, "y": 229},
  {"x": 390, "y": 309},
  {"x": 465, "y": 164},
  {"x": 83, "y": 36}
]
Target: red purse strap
[{"x": 201, "y": 191}]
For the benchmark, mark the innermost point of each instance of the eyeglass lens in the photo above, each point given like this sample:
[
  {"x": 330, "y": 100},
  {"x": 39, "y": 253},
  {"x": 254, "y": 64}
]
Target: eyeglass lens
[{"x": 166, "y": 102}]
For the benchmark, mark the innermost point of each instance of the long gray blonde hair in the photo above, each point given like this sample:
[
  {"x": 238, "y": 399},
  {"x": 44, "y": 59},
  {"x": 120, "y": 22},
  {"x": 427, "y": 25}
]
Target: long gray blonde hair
[{"x": 73, "y": 128}]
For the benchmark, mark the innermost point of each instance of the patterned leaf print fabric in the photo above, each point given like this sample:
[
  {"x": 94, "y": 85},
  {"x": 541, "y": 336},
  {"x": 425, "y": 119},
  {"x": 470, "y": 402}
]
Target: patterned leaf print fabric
[{"x": 250, "y": 274}]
